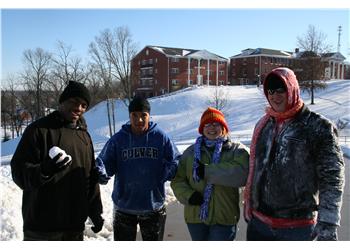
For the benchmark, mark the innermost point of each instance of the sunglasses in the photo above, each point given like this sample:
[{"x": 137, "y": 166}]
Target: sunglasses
[
  {"x": 278, "y": 91},
  {"x": 214, "y": 124}
]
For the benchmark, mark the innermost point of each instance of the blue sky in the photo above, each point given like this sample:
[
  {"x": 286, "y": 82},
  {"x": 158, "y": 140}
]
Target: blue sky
[{"x": 222, "y": 31}]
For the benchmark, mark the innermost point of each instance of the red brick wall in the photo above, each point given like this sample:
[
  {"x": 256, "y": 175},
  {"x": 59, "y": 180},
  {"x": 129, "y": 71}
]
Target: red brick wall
[{"x": 163, "y": 75}]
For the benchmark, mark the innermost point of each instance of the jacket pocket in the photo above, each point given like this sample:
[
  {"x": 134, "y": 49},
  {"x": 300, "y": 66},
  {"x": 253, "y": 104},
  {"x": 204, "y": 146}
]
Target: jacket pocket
[{"x": 295, "y": 139}]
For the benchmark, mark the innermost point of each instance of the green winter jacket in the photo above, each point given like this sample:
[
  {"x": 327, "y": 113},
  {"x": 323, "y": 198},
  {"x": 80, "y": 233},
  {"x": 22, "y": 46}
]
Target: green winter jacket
[{"x": 224, "y": 201}]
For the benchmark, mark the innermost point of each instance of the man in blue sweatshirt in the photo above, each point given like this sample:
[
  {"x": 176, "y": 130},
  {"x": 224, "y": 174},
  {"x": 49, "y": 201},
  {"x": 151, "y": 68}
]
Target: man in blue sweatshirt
[{"x": 142, "y": 158}]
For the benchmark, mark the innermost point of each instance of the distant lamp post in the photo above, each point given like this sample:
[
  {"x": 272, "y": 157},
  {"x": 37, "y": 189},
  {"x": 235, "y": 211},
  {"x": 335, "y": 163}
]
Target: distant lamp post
[{"x": 258, "y": 80}]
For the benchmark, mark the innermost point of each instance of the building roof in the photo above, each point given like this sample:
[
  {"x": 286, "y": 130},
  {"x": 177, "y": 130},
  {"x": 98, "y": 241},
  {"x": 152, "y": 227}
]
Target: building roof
[
  {"x": 192, "y": 53},
  {"x": 334, "y": 55},
  {"x": 262, "y": 51}
]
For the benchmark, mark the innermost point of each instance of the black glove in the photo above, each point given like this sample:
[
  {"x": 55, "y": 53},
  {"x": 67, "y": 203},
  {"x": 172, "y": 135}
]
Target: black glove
[
  {"x": 200, "y": 169},
  {"x": 325, "y": 231},
  {"x": 50, "y": 167},
  {"x": 196, "y": 199},
  {"x": 98, "y": 224}
]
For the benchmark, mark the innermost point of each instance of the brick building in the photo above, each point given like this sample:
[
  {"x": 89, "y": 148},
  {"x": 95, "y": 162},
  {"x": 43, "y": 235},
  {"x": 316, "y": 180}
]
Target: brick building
[
  {"x": 335, "y": 67},
  {"x": 158, "y": 70},
  {"x": 252, "y": 65}
]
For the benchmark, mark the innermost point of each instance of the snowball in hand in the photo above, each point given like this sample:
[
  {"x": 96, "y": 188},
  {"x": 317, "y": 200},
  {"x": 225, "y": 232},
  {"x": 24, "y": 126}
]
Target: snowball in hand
[{"x": 55, "y": 151}]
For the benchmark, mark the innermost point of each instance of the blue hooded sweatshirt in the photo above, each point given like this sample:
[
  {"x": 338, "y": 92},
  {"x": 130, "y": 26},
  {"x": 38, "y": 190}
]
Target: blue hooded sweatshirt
[{"x": 141, "y": 165}]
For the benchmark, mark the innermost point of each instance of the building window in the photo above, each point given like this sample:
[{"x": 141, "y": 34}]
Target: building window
[
  {"x": 150, "y": 61},
  {"x": 174, "y": 59},
  {"x": 155, "y": 71},
  {"x": 256, "y": 71},
  {"x": 174, "y": 81},
  {"x": 147, "y": 52},
  {"x": 221, "y": 72},
  {"x": 174, "y": 70},
  {"x": 156, "y": 60},
  {"x": 256, "y": 60}
]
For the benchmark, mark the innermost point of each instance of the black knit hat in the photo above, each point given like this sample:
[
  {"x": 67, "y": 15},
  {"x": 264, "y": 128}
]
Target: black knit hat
[
  {"x": 139, "y": 104},
  {"x": 75, "y": 89}
]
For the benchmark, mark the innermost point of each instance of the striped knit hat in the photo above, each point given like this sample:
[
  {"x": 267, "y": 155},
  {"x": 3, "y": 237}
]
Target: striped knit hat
[{"x": 212, "y": 115}]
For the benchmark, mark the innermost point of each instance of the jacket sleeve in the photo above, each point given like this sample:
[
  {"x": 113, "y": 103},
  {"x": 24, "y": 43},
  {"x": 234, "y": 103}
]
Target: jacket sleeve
[
  {"x": 94, "y": 195},
  {"x": 330, "y": 171},
  {"x": 27, "y": 160},
  {"x": 106, "y": 162},
  {"x": 171, "y": 160},
  {"x": 232, "y": 171},
  {"x": 180, "y": 184}
]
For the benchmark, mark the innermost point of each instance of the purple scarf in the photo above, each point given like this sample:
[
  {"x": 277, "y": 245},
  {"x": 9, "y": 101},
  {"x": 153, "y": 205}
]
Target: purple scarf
[{"x": 204, "y": 211}]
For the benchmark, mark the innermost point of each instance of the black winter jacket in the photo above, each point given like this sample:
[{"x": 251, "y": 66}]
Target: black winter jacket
[
  {"x": 62, "y": 202},
  {"x": 304, "y": 158}
]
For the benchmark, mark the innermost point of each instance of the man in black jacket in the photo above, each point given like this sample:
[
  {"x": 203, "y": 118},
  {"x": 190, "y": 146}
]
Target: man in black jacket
[{"x": 54, "y": 166}]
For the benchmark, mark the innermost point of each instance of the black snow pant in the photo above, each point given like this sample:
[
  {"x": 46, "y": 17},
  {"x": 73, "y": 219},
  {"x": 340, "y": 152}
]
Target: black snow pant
[
  {"x": 52, "y": 236},
  {"x": 151, "y": 225}
]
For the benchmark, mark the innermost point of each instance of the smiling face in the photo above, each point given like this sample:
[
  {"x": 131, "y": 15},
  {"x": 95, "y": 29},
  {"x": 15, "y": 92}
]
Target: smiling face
[
  {"x": 139, "y": 122},
  {"x": 73, "y": 108},
  {"x": 278, "y": 100},
  {"x": 213, "y": 130}
]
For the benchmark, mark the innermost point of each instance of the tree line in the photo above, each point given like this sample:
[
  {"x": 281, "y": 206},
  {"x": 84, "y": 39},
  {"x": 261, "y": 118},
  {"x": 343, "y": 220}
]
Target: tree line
[{"x": 34, "y": 91}]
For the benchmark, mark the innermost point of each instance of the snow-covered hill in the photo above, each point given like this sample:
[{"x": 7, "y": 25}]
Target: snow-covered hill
[{"x": 178, "y": 114}]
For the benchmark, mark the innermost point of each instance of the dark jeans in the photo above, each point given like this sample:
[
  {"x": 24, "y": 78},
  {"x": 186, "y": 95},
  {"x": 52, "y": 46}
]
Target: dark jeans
[
  {"x": 151, "y": 225},
  {"x": 52, "y": 236},
  {"x": 258, "y": 231},
  {"x": 201, "y": 231}
]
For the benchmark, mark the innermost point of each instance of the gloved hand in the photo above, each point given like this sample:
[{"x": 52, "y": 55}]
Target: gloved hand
[
  {"x": 325, "y": 231},
  {"x": 196, "y": 199},
  {"x": 98, "y": 224},
  {"x": 51, "y": 166},
  {"x": 200, "y": 169},
  {"x": 103, "y": 178}
]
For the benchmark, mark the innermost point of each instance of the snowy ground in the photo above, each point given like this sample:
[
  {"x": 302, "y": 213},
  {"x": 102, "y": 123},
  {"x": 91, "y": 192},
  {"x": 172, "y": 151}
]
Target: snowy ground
[{"x": 179, "y": 115}]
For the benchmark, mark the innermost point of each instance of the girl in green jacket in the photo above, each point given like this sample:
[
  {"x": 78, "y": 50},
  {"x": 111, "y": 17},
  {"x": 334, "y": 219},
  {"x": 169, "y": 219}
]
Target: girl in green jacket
[{"x": 208, "y": 179}]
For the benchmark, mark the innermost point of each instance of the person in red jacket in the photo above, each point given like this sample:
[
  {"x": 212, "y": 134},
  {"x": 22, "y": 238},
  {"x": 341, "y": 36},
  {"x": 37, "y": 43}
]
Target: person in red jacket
[
  {"x": 54, "y": 166},
  {"x": 296, "y": 173}
]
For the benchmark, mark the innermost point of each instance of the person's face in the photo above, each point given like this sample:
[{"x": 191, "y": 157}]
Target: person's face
[
  {"x": 213, "y": 130},
  {"x": 73, "y": 108},
  {"x": 278, "y": 99},
  {"x": 139, "y": 122}
]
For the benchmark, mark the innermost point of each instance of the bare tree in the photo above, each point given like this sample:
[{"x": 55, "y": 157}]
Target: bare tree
[
  {"x": 313, "y": 42},
  {"x": 113, "y": 51},
  {"x": 37, "y": 65},
  {"x": 13, "y": 114},
  {"x": 65, "y": 67},
  {"x": 218, "y": 99}
]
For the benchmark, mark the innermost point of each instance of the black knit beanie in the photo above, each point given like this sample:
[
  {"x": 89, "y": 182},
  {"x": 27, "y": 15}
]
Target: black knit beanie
[
  {"x": 75, "y": 89},
  {"x": 139, "y": 104}
]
